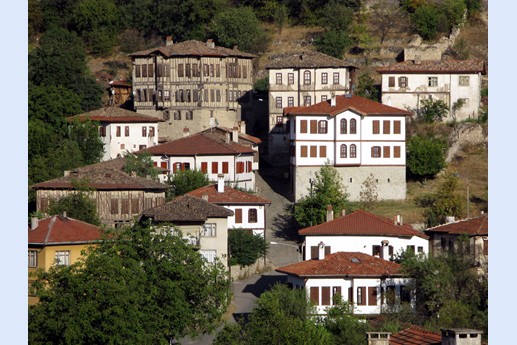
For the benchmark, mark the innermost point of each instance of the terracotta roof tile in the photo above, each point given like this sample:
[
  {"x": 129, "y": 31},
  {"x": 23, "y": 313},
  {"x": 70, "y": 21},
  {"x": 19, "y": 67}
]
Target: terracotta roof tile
[
  {"x": 352, "y": 264},
  {"x": 186, "y": 208},
  {"x": 436, "y": 66},
  {"x": 193, "y": 48},
  {"x": 361, "y": 223},
  {"x": 199, "y": 144},
  {"x": 474, "y": 227},
  {"x": 229, "y": 196},
  {"x": 114, "y": 115},
  {"x": 244, "y": 136},
  {"x": 354, "y": 103},
  {"x": 415, "y": 335},
  {"x": 59, "y": 229},
  {"x": 304, "y": 59}
]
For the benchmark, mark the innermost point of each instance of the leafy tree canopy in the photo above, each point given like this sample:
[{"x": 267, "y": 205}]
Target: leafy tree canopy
[
  {"x": 185, "y": 181},
  {"x": 346, "y": 328},
  {"x": 425, "y": 156},
  {"x": 245, "y": 248},
  {"x": 447, "y": 201},
  {"x": 366, "y": 88},
  {"x": 139, "y": 285},
  {"x": 78, "y": 206},
  {"x": 141, "y": 164},
  {"x": 333, "y": 43}
]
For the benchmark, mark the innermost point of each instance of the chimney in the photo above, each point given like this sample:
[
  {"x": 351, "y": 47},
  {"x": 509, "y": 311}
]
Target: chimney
[
  {"x": 321, "y": 252},
  {"x": 220, "y": 183},
  {"x": 449, "y": 219},
  {"x": 34, "y": 222},
  {"x": 210, "y": 43},
  {"x": 169, "y": 41},
  {"x": 64, "y": 214},
  {"x": 186, "y": 132},
  {"x": 385, "y": 250},
  {"x": 343, "y": 212},
  {"x": 461, "y": 336},
  {"x": 333, "y": 99},
  {"x": 235, "y": 134},
  {"x": 66, "y": 173},
  {"x": 378, "y": 338},
  {"x": 330, "y": 213},
  {"x": 205, "y": 197},
  {"x": 242, "y": 127},
  {"x": 397, "y": 220}
]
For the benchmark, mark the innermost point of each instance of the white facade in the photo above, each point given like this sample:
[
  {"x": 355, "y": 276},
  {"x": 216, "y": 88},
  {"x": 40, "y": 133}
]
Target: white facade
[
  {"x": 120, "y": 138},
  {"x": 252, "y": 217}
]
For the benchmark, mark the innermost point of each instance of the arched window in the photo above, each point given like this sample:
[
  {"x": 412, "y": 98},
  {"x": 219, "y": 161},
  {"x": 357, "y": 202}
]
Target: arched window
[
  {"x": 306, "y": 78},
  {"x": 343, "y": 126},
  {"x": 353, "y": 128},
  {"x": 322, "y": 127},
  {"x": 353, "y": 151},
  {"x": 343, "y": 151}
]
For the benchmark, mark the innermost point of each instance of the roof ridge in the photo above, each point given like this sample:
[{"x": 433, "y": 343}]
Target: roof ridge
[{"x": 50, "y": 227}]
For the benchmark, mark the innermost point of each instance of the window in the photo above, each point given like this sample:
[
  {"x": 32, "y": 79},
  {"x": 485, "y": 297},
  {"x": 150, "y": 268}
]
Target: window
[
  {"x": 212, "y": 95},
  {"x": 323, "y": 151},
  {"x": 323, "y": 98},
  {"x": 432, "y": 81},
  {"x": 211, "y": 69},
  {"x": 218, "y": 95},
  {"x": 342, "y": 126},
  {"x": 122, "y": 146},
  {"x": 322, "y": 127},
  {"x": 180, "y": 70},
  {"x": 135, "y": 206},
  {"x": 126, "y": 131},
  {"x": 375, "y": 127},
  {"x": 215, "y": 167},
  {"x": 443, "y": 243},
  {"x": 209, "y": 230},
  {"x": 290, "y": 101},
  {"x": 137, "y": 71},
  {"x": 389, "y": 294},
  {"x": 420, "y": 249},
  {"x": 144, "y": 71},
  {"x": 204, "y": 167},
  {"x": 376, "y": 152},
  {"x": 303, "y": 151},
  {"x": 238, "y": 215},
  {"x": 218, "y": 71},
  {"x": 279, "y": 78},
  {"x": 343, "y": 151},
  {"x": 372, "y": 295},
  {"x": 166, "y": 95},
  {"x": 396, "y": 152},
  {"x": 376, "y": 250},
  {"x": 396, "y": 127},
  {"x": 206, "y": 70},
  {"x": 353, "y": 128},
  {"x": 324, "y": 78},
  {"x": 209, "y": 255},
  {"x": 315, "y": 295},
  {"x": 410, "y": 248},
  {"x": 125, "y": 206},
  {"x": 195, "y": 70},
  {"x": 187, "y": 96},
  {"x": 386, "y": 127},
  {"x": 307, "y": 101},
  {"x": 244, "y": 72},
  {"x": 33, "y": 258},
  {"x": 335, "y": 78},
  {"x": 278, "y": 102},
  {"x": 361, "y": 298},
  {"x": 144, "y": 131},
  {"x": 314, "y": 126},
  {"x": 102, "y": 131},
  {"x": 62, "y": 257},
  {"x": 279, "y": 120},
  {"x": 303, "y": 126},
  {"x": 464, "y": 80},
  {"x": 306, "y": 78},
  {"x": 402, "y": 81},
  {"x": 189, "y": 115},
  {"x": 114, "y": 206},
  {"x": 405, "y": 294},
  {"x": 252, "y": 215},
  {"x": 290, "y": 78},
  {"x": 353, "y": 151},
  {"x": 118, "y": 131},
  {"x": 386, "y": 151},
  {"x": 325, "y": 295},
  {"x": 177, "y": 115},
  {"x": 151, "y": 131},
  {"x": 314, "y": 151},
  {"x": 391, "y": 82}
]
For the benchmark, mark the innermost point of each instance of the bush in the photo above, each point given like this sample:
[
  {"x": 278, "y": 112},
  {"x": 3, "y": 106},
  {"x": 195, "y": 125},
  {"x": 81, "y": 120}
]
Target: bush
[
  {"x": 245, "y": 248},
  {"x": 432, "y": 111},
  {"x": 425, "y": 20},
  {"x": 333, "y": 43},
  {"x": 78, "y": 206},
  {"x": 425, "y": 156}
]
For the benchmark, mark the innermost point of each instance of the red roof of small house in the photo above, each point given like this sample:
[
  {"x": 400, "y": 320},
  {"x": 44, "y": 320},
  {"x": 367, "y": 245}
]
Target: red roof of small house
[
  {"x": 361, "y": 223},
  {"x": 229, "y": 196},
  {"x": 415, "y": 335},
  {"x": 114, "y": 115},
  {"x": 198, "y": 144},
  {"x": 435, "y": 67},
  {"x": 353, "y": 264},
  {"x": 60, "y": 230},
  {"x": 473, "y": 227},
  {"x": 360, "y": 105}
]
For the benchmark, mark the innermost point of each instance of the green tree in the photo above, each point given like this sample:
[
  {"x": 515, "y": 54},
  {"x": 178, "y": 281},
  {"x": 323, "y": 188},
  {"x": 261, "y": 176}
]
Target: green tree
[
  {"x": 453, "y": 11},
  {"x": 87, "y": 137},
  {"x": 333, "y": 43},
  {"x": 78, "y": 206},
  {"x": 432, "y": 110},
  {"x": 261, "y": 85},
  {"x": 335, "y": 16},
  {"x": 346, "y": 328},
  {"x": 327, "y": 190},
  {"x": 425, "y": 19},
  {"x": 141, "y": 164},
  {"x": 184, "y": 181},
  {"x": 281, "y": 17},
  {"x": 447, "y": 201},
  {"x": 386, "y": 14},
  {"x": 369, "y": 192},
  {"x": 245, "y": 248},
  {"x": 366, "y": 88},
  {"x": 137, "y": 284},
  {"x": 425, "y": 156}
]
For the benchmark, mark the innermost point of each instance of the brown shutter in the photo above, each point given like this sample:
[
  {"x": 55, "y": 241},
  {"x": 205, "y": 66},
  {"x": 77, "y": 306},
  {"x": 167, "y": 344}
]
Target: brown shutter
[
  {"x": 225, "y": 167},
  {"x": 396, "y": 151},
  {"x": 314, "y": 151},
  {"x": 215, "y": 167},
  {"x": 375, "y": 126},
  {"x": 396, "y": 127},
  {"x": 325, "y": 295},
  {"x": 137, "y": 71},
  {"x": 238, "y": 215},
  {"x": 135, "y": 206},
  {"x": 350, "y": 295},
  {"x": 386, "y": 127},
  {"x": 373, "y": 149},
  {"x": 386, "y": 151},
  {"x": 485, "y": 246},
  {"x": 303, "y": 126},
  {"x": 314, "y": 252},
  {"x": 125, "y": 206},
  {"x": 314, "y": 126},
  {"x": 249, "y": 166},
  {"x": 303, "y": 151},
  {"x": 372, "y": 295},
  {"x": 391, "y": 82},
  {"x": 174, "y": 168},
  {"x": 150, "y": 70},
  {"x": 114, "y": 206},
  {"x": 327, "y": 250},
  {"x": 315, "y": 295},
  {"x": 323, "y": 151},
  {"x": 363, "y": 296},
  {"x": 204, "y": 167}
]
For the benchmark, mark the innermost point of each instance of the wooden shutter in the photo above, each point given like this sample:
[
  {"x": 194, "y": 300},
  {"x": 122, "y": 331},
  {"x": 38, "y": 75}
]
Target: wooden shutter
[
  {"x": 215, "y": 167},
  {"x": 114, "y": 206},
  {"x": 375, "y": 126},
  {"x": 390, "y": 250},
  {"x": 43, "y": 205},
  {"x": 150, "y": 70},
  {"x": 396, "y": 151},
  {"x": 225, "y": 167},
  {"x": 204, "y": 167},
  {"x": 314, "y": 151},
  {"x": 125, "y": 206},
  {"x": 386, "y": 151},
  {"x": 303, "y": 126},
  {"x": 325, "y": 295},
  {"x": 314, "y": 252},
  {"x": 372, "y": 295},
  {"x": 327, "y": 250},
  {"x": 303, "y": 151},
  {"x": 391, "y": 82},
  {"x": 314, "y": 126},
  {"x": 315, "y": 295},
  {"x": 323, "y": 151},
  {"x": 135, "y": 206},
  {"x": 249, "y": 167},
  {"x": 350, "y": 295},
  {"x": 386, "y": 127},
  {"x": 485, "y": 246},
  {"x": 361, "y": 290},
  {"x": 238, "y": 215},
  {"x": 396, "y": 127},
  {"x": 137, "y": 71}
]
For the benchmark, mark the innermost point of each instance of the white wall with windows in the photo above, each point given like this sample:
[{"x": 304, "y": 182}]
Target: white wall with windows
[
  {"x": 247, "y": 217},
  {"x": 120, "y": 138}
]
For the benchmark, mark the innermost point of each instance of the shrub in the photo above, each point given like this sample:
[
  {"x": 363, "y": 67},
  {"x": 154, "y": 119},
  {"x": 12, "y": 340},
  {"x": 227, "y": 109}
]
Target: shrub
[{"x": 245, "y": 248}]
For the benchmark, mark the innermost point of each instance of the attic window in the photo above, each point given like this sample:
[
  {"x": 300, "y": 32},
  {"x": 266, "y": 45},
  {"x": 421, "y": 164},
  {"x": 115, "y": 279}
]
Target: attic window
[{"x": 355, "y": 260}]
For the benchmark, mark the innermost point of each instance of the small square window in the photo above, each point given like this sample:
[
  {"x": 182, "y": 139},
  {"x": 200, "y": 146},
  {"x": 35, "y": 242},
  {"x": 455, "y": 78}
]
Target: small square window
[
  {"x": 464, "y": 80},
  {"x": 432, "y": 81}
]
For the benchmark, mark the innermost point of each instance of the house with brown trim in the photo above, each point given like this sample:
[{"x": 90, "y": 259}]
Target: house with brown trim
[
  {"x": 370, "y": 284},
  {"x": 119, "y": 197},
  {"x": 204, "y": 224},
  {"x": 249, "y": 209},
  {"x": 405, "y": 84},
  {"x": 192, "y": 84},
  {"x": 364, "y": 232},
  {"x": 121, "y": 130},
  {"x": 416, "y": 335}
]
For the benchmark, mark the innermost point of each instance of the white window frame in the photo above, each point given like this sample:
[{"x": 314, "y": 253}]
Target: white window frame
[
  {"x": 209, "y": 230},
  {"x": 62, "y": 257},
  {"x": 33, "y": 258},
  {"x": 209, "y": 254}
]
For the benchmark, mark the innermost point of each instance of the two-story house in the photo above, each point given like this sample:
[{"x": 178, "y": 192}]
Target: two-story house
[
  {"x": 301, "y": 79},
  {"x": 121, "y": 130},
  {"x": 405, "y": 84},
  {"x": 364, "y": 232},
  {"x": 204, "y": 224},
  {"x": 371, "y": 285},
  {"x": 210, "y": 153},
  {"x": 355, "y": 135},
  {"x": 192, "y": 85},
  {"x": 57, "y": 240},
  {"x": 249, "y": 209}
]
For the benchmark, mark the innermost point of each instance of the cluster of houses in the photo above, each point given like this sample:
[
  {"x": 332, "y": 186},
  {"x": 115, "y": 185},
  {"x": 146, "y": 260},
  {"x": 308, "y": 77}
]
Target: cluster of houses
[{"x": 192, "y": 103}]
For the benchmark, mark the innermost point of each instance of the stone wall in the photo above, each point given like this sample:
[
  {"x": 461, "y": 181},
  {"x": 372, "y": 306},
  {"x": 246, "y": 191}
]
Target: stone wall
[
  {"x": 238, "y": 273},
  {"x": 466, "y": 134},
  {"x": 417, "y": 50}
]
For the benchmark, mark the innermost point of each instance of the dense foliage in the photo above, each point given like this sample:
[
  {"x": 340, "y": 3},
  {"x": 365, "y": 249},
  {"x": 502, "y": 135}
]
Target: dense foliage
[
  {"x": 245, "y": 248},
  {"x": 138, "y": 285},
  {"x": 184, "y": 181},
  {"x": 141, "y": 164},
  {"x": 425, "y": 156},
  {"x": 78, "y": 206}
]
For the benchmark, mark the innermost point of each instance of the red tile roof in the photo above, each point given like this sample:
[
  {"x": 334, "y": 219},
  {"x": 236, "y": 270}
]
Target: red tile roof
[
  {"x": 229, "y": 196},
  {"x": 360, "y": 105},
  {"x": 436, "y": 67},
  {"x": 361, "y": 223},
  {"x": 58, "y": 230},
  {"x": 198, "y": 144},
  {"x": 114, "y": 115},
  {"x": 415, "y": 335},
  {"x": 193, "y": 48},
  {"x": 473, "y": 227},
  {"x": 353, "y": 264},
  {"x": 244, "y": 136}
]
